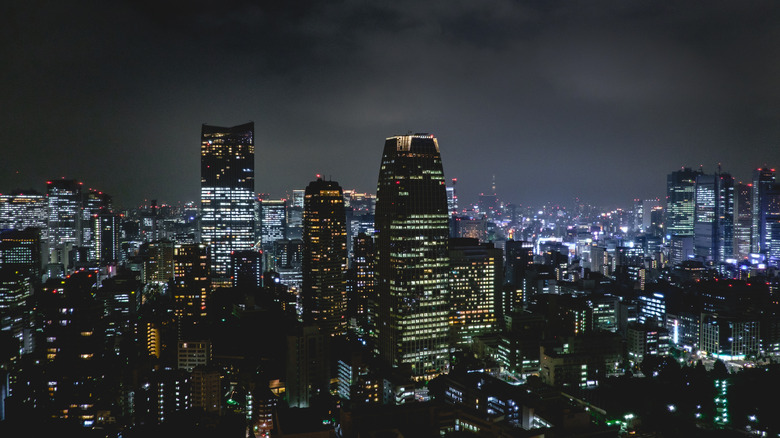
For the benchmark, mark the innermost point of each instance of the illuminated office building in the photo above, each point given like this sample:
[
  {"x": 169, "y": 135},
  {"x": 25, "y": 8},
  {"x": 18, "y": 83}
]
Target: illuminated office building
[
  {"x": 743, "y": 219},
  {"x": 765, "y": 230},
  {"x": 519, "y": 257},
  {"x": 20, "y": 252},
  {"x": 714, "y": 217},
  {"x": 413, "y": 266},
  {"x": 227, "y": 195},
  {"x": 106, "y": 237},
  {"x": 324, "y": 262},
  {"x": 158, "y": 262},
  {"x": 191, "y": 281},
  {"x": 64, "y": 213},
  {"x": 476, "y": 279},
  {"x": 24, "y": 210},
  {"x": 273, "y": 216},
  {"x": 680, "y": 203},
  {"x": 362, "y": 298},
  {"x": 93, "y": 204}
]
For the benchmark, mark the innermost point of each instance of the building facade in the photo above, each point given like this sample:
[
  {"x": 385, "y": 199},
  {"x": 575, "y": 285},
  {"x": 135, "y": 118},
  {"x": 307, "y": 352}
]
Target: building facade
[
  {"x": 413, "y": 265},
  {"x": 227, "y": 183},
  {"x": 324, "y": 262}
]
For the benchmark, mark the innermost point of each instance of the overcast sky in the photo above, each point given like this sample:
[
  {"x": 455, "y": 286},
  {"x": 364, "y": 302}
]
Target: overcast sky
[{"x": 557, "y": 99}]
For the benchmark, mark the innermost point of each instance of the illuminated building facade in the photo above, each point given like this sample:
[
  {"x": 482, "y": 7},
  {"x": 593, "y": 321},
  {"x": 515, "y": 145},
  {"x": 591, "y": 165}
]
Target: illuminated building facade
[
  {"x": 413, "y": 265},
  {"x": 273, "y": 217},
  {"x": 362, "y": 299},
  {"x": 191, "y": 281},
  {"x": 227, "y": 195},
  {"x": 19, "y": 211},
  {"x": 763, "y": 183},
  {"x": 324, "y": 261},
  {"x": 106, "y": 237},
  {"x": 519, "y": 257},
  {"x": 680, "y": 202},
  {"x": 20, "y": 251},
  {"x": 743, "y": 219},
  {"x": 475, "y": 279},
  {"x": 765, "y": 231},
  {"x": 714, "y": 217},
  {"x": 158, "y": 262},
  {"x": 64, "y": 213},
  {"x": 93, "y": 204}
]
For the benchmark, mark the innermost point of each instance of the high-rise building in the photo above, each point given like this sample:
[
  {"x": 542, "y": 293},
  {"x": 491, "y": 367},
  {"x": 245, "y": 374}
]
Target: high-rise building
[
  {"x": 519, "y": 257},
  {"x": 743, "y": 219},
  {"x": 158, "y": 262},
  {"x": 227, "y": 194},
  {"x": 362, "y": 293},
  {"x": 413, "y": 265},
  {"x": 94, "y": 203},
  {"x": 273, "y": 214},
  {"x": 452, "y": 197},
  {"x": 324, "y": 262},
  {"x": 273, "y": 227},
  {"x": 20, "y": 251},
  {"x": 247, "y": 270},
  {"x": 191, "y": 281},
  {"x": 476, "y": 279},
  {"x": 765, "y": 230},
  {"x": 680, "y": 194},
  {"x": 23, "y": 210},
  {"x": 714, "y": 217},
  {"x": 106, "y": 237},
  {"x": 64, "y": 213}
]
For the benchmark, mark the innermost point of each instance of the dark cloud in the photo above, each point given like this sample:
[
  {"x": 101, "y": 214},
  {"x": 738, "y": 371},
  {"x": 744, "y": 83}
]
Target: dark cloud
[{"x": 557, "y": 99}]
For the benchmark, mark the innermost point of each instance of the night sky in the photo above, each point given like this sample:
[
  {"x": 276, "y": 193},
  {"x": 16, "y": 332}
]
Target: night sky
[{"x": 557, "y": 99}]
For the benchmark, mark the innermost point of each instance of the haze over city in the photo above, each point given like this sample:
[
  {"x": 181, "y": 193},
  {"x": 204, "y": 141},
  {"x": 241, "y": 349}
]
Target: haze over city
[{"x": 596, "y": 100}]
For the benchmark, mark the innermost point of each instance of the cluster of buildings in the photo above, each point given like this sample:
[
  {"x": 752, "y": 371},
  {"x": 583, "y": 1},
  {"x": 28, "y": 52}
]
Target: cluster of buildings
[{"x": 334, "y": 304}]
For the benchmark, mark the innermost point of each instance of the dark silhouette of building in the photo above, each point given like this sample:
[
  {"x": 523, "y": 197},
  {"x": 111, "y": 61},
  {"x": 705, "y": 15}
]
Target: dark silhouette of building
[{"x": 324, "y": 261}]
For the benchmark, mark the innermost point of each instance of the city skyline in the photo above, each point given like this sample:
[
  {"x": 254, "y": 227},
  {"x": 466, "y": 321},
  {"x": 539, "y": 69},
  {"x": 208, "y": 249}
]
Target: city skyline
[{"x": 561, "y": 101}]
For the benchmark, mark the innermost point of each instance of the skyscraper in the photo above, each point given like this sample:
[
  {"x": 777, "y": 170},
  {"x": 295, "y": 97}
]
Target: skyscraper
[
  {"x": 714, "y": 217},
  {"x": 764, "y": 193},
  {"x": 227, "y": 185},
  {"x": 412, "y": 268},
  {"x": 680, "y": 193},
  {"x": 362, "y": 298},
  {"x": 64, "y": 213},
  {"x": 476, "y": 278},
  {"x": 325, "y": 257},
  {"x": 21, "y": 210},
  {"x": 191, "y": 281},
  {"x": 94, "y": 203},
  {"x": 743, "y": 219},
  {"x": 106, "y": 237},
  {"x": 273, "y": 221}
]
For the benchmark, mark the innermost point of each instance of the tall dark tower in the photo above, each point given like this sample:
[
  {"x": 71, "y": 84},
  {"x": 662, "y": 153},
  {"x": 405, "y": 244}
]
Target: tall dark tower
[
  {"x": 227, "y": 185},
  {"x": 324, "y": 261},
  {"x": 412, "y": 268},
  {"x": 764, "y": 193},
  {"x": 714, "y": 217}
]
